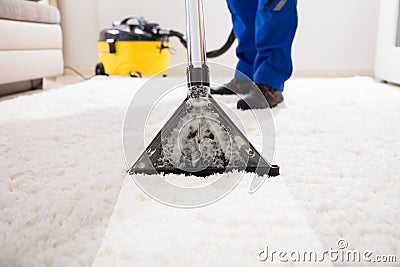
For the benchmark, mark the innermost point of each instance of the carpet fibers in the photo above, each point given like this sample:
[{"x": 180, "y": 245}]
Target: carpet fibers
[{"x": 62, "y": 167}]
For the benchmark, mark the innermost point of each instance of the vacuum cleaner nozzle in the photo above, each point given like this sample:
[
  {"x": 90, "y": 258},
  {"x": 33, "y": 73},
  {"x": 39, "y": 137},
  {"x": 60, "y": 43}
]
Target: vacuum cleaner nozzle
[{"x": 200, "y": 139}]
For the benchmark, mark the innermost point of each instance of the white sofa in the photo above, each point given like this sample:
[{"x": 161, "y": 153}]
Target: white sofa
[{"x": 30, "y": 44}]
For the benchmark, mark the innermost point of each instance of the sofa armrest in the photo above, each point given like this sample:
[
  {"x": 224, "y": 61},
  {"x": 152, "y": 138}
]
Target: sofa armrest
[{"x": 29, "y": 11}]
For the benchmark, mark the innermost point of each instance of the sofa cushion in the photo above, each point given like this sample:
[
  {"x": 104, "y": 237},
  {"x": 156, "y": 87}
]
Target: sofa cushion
[
  {"x": 30, "y": 64},
  {"x": 28, "y": 11},
  {"x": 24, "y": 35}
]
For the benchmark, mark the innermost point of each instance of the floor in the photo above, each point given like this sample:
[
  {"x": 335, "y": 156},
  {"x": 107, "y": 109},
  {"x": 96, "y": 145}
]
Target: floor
[{"x": 52, "y": 83}]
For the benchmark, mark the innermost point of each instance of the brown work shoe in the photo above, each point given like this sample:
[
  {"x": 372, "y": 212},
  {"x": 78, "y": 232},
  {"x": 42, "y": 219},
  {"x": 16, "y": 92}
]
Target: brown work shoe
[
  {"x": 235, "y": 86},
  {"x": 260, "y": 97}
]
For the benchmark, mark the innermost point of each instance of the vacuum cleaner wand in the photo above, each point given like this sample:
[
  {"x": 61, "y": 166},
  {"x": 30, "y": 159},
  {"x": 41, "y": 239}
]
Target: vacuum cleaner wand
[
  {"x": 195, "y": 32},
  {"x": 198, "y": 74},
  {"x": 200, "y": 139}
]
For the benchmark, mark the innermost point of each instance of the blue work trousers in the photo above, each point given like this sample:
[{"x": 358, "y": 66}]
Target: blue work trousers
[{"x": 265, "y": 30}]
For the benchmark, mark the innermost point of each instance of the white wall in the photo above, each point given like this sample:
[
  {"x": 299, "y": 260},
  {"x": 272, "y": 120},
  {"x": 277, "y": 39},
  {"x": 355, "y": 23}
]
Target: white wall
[
  {"x": 80, "y": 32},
  {"x": 335, "y": 37}
]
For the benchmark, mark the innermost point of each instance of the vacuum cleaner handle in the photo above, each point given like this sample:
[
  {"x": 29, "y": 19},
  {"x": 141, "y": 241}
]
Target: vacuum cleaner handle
[{"x": 141, "y": 21}]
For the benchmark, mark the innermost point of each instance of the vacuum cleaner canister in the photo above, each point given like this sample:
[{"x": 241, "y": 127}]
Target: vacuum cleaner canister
[{"x": 134, "y": 49}]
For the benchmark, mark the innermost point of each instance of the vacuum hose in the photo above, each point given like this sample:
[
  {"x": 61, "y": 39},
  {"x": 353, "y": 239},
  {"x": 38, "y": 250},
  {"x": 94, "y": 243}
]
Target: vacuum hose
[
  {"x": 224, "y": 48},
  {"x": 210, "y": 54}
]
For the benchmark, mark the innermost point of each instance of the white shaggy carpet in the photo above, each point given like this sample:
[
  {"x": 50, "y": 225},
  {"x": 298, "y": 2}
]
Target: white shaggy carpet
[{"x": 337, "y": 142}]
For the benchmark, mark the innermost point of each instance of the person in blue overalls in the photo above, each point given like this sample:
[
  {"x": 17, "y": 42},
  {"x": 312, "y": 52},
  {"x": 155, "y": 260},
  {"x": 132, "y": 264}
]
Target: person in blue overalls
[{"x": 265, "y": 30}]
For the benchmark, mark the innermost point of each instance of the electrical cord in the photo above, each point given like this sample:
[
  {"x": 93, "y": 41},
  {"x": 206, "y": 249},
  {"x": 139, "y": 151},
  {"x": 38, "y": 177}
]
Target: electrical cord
[{"x": 78, "y": 73}]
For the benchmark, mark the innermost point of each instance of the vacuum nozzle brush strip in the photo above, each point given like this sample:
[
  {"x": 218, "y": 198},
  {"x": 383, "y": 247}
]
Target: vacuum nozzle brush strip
[{"x": 197, "y": 72}]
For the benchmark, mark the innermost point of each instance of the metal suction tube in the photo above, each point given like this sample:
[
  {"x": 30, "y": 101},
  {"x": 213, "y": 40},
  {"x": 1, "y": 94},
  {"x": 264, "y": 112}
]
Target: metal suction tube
[{"x": 197, "y": 72}]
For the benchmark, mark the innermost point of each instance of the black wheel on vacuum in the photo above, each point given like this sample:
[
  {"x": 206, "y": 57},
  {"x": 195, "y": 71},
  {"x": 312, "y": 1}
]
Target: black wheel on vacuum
[
  {"x": 99, "y": 70},
  {"x": 135, "y": 74}
]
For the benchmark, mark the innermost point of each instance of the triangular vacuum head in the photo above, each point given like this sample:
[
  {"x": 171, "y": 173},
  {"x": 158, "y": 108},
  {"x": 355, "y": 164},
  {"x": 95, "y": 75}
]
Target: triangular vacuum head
[{"x": 200, "y": 139}]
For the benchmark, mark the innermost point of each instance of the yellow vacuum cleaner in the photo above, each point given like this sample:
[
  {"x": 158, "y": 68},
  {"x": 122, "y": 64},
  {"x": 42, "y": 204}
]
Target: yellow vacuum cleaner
[
  {"x": 140, "y": 48},
  {"x": 136, "y": 49}
]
